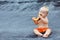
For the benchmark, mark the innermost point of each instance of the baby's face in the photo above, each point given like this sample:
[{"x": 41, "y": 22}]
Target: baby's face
[{"x": 43, "y": 13}]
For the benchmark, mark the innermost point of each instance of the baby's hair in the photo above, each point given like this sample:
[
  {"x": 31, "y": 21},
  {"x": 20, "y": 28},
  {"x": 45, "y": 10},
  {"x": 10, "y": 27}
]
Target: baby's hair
[
  {"x": 44, "y": 8},
  {"x": 47, "y": 9}
]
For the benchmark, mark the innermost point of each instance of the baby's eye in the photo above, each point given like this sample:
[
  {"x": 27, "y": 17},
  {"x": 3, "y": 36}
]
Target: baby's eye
[{"x": 41, "y": 14}]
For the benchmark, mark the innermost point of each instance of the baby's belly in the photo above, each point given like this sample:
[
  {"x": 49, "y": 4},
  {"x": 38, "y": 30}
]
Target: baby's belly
[{"x": 42, "y": 26}]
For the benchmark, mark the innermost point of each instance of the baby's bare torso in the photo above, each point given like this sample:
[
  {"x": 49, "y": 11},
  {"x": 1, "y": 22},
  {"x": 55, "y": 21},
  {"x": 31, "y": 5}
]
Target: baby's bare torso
[{"x": 42, "y": 24}]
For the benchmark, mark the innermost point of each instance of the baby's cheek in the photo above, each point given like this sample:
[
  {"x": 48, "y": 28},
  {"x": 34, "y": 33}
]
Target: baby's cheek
[{"x": 42, "y": 14}]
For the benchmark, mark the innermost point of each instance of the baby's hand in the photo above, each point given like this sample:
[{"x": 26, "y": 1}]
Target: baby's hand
[
  {"x": 34, "y": 18},
  {"x": 40, "y": 16}
]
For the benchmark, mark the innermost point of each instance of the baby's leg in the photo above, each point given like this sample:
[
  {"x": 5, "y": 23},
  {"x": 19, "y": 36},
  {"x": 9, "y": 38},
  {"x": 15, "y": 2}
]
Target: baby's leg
[
  {"x": 35, "y": 20},
  {"x": 37, "y": 32},
  {"x": 47, "y": 33}
]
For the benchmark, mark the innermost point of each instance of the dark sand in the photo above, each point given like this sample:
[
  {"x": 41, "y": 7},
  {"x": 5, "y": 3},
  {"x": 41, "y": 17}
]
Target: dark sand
[{"x": 16, "y": 20}]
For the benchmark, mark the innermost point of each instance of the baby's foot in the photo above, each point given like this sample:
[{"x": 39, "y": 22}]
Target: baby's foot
[
  {"x": 45, "y": 36},
  {"x": 40, "y": 35}
]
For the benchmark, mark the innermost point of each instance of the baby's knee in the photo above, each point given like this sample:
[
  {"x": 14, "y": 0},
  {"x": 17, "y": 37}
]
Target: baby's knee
[
  {"x": 34, "y": 30},
  {"x": 49, "y": 30}
]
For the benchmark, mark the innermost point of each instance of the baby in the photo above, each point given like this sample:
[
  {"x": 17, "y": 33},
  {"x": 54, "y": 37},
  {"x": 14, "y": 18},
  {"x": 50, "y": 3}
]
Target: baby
[{"x": 42, "y": 22}]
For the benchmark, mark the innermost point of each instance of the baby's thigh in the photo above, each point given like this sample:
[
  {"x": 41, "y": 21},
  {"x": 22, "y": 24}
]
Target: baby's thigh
[{"x": 48, "y": 30}]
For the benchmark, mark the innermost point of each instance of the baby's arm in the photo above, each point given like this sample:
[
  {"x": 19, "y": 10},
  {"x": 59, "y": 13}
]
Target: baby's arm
[
  {"x": 45, "y": 20},
  {"x": 35, "y": 20}
]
